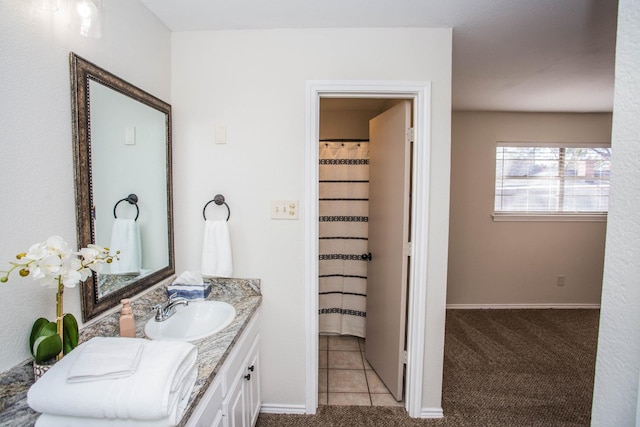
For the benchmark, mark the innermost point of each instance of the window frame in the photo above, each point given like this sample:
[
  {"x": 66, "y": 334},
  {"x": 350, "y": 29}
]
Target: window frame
[{"x": 545, "y": 216}]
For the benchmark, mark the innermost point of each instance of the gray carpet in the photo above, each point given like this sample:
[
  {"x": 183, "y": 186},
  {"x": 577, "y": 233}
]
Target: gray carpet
[{"x": 501, "y": 368}]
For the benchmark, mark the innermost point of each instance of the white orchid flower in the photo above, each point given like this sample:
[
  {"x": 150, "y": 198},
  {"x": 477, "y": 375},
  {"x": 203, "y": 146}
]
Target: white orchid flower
[
  {"x": 99, "y": 249},
  {"x": 89, "y": 254},
  {"x": 53, "y": 263},
  {"x": 81, "y": 267},
  {"x": 97, "y": 264},
  {"x": 74, "y": 273},
  {"x": 57, "y": 243},
  {"x": 39, "y": 276},
  {"x": 71, "y": 278},
  {"x": 37, "y": 251},
  {"x": 36, "y": 272}
]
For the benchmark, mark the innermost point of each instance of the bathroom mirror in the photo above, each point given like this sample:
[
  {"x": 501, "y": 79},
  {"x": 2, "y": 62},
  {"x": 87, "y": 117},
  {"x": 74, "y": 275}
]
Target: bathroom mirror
[{"x": 122, "y": 164}]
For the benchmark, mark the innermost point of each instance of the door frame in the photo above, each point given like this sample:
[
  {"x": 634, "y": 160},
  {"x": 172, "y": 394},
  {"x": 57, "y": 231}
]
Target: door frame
[{"x": 420, "y": 94}]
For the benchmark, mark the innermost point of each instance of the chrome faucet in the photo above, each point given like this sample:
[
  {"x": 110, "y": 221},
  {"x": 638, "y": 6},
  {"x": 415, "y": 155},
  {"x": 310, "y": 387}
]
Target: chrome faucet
[{"x": 168, "y": 309}]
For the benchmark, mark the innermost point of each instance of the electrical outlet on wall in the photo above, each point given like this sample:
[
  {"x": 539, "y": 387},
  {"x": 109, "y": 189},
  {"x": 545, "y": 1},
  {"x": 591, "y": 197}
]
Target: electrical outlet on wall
[
  {"x": 284, "y": 209},
  {"x": 560, "y": 280}
]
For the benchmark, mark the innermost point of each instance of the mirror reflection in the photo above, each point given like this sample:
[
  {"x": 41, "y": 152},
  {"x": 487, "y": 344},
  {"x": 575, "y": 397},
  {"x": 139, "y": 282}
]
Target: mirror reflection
[
  {"x": 122, "y": 150},
  {"x": 128, "y": 156}
]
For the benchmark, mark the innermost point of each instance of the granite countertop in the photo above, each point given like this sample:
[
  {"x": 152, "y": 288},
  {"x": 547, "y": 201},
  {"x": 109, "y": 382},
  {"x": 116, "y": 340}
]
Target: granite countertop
[{"x": 243, "y": 294}]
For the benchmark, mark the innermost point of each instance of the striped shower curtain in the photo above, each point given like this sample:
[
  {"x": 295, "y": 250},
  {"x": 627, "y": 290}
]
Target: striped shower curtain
[{"x": 344, "y": 210}]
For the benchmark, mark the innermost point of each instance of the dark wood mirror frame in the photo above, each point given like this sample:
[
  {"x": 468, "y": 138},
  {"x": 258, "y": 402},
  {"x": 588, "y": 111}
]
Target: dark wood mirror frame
[{"x": 82, "y": 71}]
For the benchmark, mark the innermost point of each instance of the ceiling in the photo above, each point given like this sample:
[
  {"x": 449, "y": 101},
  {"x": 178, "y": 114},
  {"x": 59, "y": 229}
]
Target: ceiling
[{"x": 508, "y": 55}]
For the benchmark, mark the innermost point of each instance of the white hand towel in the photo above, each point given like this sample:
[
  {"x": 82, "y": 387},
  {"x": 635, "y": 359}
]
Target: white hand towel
[
  {"x": 216, "y": 250},
  {"x": 106, "y": 358},
  {"x": 163, "y": 381},
  {"x": 125, "y": 237}
]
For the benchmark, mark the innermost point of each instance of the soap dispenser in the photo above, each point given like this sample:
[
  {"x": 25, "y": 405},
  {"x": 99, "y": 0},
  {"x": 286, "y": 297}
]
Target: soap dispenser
[{"x": 127, "y": 321}]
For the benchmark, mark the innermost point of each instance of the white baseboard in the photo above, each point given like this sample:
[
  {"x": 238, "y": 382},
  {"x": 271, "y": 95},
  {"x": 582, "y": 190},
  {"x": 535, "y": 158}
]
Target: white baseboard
[
  {"x": 275, "y": 408},
  {"x": 522, "y": 306},
  {"x": 431, "y": 413}
]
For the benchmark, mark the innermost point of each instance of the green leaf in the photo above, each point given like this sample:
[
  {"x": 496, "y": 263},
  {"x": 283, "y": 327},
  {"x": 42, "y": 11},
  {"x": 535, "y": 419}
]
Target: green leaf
[
  {"x": 69, "y": 332},
  {"x": 35, "y": 332},
  {"x": 47, "y": 344}
]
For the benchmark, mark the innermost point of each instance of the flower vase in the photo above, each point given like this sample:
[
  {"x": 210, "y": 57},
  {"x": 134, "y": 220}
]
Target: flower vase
[{"x": 39, "y": 369}]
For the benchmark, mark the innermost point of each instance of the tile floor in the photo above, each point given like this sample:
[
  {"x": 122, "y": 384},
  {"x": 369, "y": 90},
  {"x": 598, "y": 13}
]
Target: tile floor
[{"x": 346, "y": 378}]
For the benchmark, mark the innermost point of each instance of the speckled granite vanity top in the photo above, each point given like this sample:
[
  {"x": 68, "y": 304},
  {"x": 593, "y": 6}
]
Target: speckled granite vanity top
[{"x": 243, "y": 294}]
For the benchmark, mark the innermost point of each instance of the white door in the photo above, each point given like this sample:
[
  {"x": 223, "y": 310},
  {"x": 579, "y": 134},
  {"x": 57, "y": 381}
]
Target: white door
[{"x": 389, "y": 205}]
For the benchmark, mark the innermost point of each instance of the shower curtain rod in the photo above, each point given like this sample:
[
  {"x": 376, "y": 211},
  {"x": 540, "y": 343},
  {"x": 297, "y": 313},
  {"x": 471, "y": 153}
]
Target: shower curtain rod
[{"x": 344, "y": 140}]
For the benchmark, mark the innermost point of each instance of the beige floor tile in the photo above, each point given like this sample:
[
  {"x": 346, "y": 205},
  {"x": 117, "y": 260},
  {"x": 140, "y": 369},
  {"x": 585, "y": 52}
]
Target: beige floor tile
[
  {"x": 361, "y": 343},
  {"x": 366, "y": 362},
  {"x": 322, "y": 359},
  {"x": 322, "y": 398},
  {"x": 375, "y": 383},
  {"x": 322, "y": 380},
  {"x": 322, "y": 342},
  {"x": 385, "y": 399},
  {"x": 345, "y": 360},
  {"x": 347, "y": 381},
  {"x": 357, "y": 399},
  {"x": 344, "y": 342}
]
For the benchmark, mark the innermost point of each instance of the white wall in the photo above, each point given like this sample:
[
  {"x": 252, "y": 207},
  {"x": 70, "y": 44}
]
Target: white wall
[
  {"x": 513, "y": 263},
  {"x": 615, "y": 397},
  {"x": 36, "y": 167},
  {"x": 254, "y": 83}
]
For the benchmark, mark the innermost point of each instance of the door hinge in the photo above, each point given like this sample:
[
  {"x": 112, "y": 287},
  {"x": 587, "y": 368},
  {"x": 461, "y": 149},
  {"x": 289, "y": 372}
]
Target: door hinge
[
  {"x": 405, "y": 357},
  {"x": 410, "y": 134},
  {"x": 408, "y": 248}
]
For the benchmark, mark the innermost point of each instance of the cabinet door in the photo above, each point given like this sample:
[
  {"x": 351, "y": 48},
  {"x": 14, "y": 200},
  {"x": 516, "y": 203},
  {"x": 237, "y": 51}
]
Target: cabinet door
[
  {"x": 252, "y": 386},
  {"x": 234, "y": 405},
  {"x": 208, "y": 413},
  {"x": 218, "y": 420}
]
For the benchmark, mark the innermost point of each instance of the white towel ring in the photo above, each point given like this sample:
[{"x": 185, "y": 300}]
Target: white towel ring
[
  {"x": 133, "y": 200},
  {"x": 218, "y": 200}
]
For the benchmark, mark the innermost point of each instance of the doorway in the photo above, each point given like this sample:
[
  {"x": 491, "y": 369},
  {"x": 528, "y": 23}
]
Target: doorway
[
  {"x": 418, "y": 306},
  {"x": 364, "y": 188}
]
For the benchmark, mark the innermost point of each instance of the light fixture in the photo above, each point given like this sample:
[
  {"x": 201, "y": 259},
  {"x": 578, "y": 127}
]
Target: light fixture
[
  {"x": 48, "y": 5},
  {"x": 86, "y": 17}
]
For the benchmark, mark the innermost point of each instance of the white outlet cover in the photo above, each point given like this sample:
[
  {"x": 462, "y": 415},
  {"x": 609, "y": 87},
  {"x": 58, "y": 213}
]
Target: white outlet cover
[{"x": 284, "y": 209}]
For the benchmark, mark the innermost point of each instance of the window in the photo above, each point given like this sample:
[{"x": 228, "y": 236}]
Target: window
[{"x": 552, "y": 179}]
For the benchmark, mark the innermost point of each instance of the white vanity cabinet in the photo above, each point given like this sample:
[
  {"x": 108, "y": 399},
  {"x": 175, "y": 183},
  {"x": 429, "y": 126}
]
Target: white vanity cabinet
[{"x": 233, "y": 398}]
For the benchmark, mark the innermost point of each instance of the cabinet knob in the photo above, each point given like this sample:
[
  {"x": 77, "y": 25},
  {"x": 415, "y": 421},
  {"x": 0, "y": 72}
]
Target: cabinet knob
[
  {"x": 247, "y": 377},
  {"x": 251, "y": 368}
]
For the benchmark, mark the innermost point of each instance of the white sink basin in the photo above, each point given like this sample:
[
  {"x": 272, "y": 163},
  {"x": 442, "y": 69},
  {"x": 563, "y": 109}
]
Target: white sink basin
[{"x": 192, "y": 322}]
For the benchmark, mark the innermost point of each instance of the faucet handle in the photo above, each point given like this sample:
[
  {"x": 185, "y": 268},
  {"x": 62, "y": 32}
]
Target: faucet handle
[
  {"x": 159, "y": 309},
  {"x": 172, "y": 297}
]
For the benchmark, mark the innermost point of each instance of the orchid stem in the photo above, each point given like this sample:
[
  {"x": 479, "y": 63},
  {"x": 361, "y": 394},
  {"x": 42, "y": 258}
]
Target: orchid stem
[{"x": 59, "y": 310}]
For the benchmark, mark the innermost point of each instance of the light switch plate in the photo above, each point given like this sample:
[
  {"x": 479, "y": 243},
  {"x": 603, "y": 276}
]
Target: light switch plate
[
  {"x": 221, "y": 134},
  {"x": 130, "y": 135},
  {"x": 284, "y": 209}
]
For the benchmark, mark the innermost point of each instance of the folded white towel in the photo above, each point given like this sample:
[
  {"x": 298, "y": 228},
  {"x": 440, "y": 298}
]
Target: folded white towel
[
  {"x": 216, "y": 250},
  {"x": 125, "y": 237},
  {"x": 48, "y": 420},
  {"x": 160, "y": 387},
  {"x": 106, "y": 358}
]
